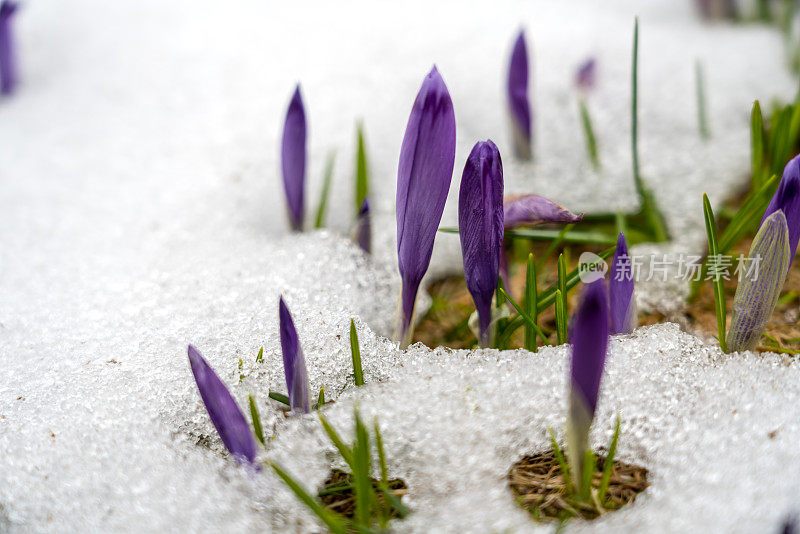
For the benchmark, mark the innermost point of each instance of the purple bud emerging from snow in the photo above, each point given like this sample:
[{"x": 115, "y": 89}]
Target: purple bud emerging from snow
[
  {"x": 423, "y": 180},
  {"x": 622, "y": 303},
  {"x": 294, "y": 364},
  {"x": 519, "y": 106},
  {"x": 225, "y": 414},
  {"x": 586, "y": 74},
  {"x": 293, "y": 160},
  {"x": 589, "y": 340},
  {"x": 789, "y": 525},
  {"x": 480, "y": 223},
  {"x": 8, "y": 59},
  {"x": 787, "y": 199},
  {"x": 364, "y": 228},
  {"x": 530, "y": 210}
]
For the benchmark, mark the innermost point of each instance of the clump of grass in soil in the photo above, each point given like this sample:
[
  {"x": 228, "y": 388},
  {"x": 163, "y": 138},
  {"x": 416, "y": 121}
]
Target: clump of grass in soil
[
  {"x": 539, "y": 486},
  {"x": 338, "y": 496}
]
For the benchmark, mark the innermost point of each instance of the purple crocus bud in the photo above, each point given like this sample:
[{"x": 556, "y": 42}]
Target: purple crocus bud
[
  {"x": 622, "y": 303},
  {"x": 225, "y": 414},
  {"x": 787, "y": 199},
  {"x": 518, "y": 104},
  {"x": 294, "y": 364},
  {"x": 760, "y": 287},
  {"x": 789, "y": 525},
  {"x": 586, "y": 74},
  {"x": 589, "y": 340},
  {"x": 8, "y": 60},
  {"x": 530, "y": 210},
  {"x": 480, "y": 223},
  {"x": 293, "y": 160},
  {"x": 427, "y": 156},
  {"x": 364, "y": 228}
]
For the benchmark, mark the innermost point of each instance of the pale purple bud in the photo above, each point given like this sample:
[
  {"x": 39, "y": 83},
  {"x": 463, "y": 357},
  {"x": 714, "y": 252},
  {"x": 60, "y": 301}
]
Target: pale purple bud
[
  {"x": 518, "y": 103},
  {"x": 294, "y": 363},
  {"x": 8, "y": 58},
  {"x": 364, "y": 228},
  {"x": 622, "y": 301},
  {"x": 530, "y": 210},
  {"x": 293, "y": 160},
  {"x": 586, "y": 75}
]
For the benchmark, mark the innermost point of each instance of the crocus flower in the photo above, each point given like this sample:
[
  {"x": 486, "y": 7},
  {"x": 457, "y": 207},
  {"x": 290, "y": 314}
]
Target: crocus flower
[
  {"x": 586, "y": 74},
  {"x": 364, "y": 228},
  {"x": 8, "y": 60},
  {"x": 294, "y": 364},
  {"x": 622, "y": 303},
  {"x": 530, "y": 210},
  {"x": 758, "y": 292},
  {"x": 519, "y": 106},
  {"x": 427, "y": 156},
  {"x": 789, "y": 525},
  {"x": 787, "y": 199},
  {"x": 480, "y": 223},
  {"x": 225, "y": 414},
  {"x": 589, "y": 340},
  {"x": 293, "y": 160}
]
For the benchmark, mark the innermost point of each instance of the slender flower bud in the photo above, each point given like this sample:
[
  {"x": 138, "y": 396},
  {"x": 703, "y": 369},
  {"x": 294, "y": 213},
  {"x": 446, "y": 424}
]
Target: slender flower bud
[
  {"x": 427, "y": 156},
  {"x": 787, "y": 199},
  {"x": 586, "y": 75},
  {"x": 758, "y": 291},
  {"x": 589, "y": 340},
  {"x": 8, "y": 59},
  {"x": 518, "y": 103},
  {"x": 293, "y": 160},
  {"x": 622, "y": 302},
  {"x": 294, "y": 364},
  {"x": 223, "y": 411},
  {"x": 480, "y": 223},
  {"x": 363, "y": 233},
  {"x": 530, "y": 210}
]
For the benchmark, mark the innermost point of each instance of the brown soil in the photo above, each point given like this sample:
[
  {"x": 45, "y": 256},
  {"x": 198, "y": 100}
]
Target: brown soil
[
  {"x": 337, "y": 492},
  {"x": 539, "y": 486}
]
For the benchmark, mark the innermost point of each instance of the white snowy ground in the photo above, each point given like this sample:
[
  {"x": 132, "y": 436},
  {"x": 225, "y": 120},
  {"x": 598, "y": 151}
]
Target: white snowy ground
[{"x": 141, "y": 209}]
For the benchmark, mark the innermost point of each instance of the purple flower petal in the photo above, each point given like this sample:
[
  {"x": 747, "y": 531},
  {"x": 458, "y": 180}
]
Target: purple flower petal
[
  {"x": 530, "y": 210},
  {"x": 427, "y": 156},
  {"x": 294, "y": 364},
  {"x": 620, "y": 290},
  {"x": 225, "y": 414},
  {"x": 586, "y": 75},
  {"x": 589, "y": 340},
  {"x": 364, "y": 228},
  {"x": 480, "y": 223},
  {"x": 293, "y": 160},
  {"x": 518, "y": 103},
  {"x": 8, "y": 59},
  {"x": 787, "y": 199}
]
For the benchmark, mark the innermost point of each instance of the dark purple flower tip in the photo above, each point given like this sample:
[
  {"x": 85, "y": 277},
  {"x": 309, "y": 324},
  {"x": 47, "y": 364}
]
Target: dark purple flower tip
[
  {"x": 787, "y": 199},
  {"x": 293, "y": 160},
  {"x": 222, "y": 409},
  {"x": 589, "y": 340},
  {"x": 8, "y": 60},
  {"x": 364, "y": 228},
  {"x": 518, "y": 103},
  {"x": 789, "y": 525},
  {"x": 620, "y": 290},
  {"x": 530, "y": 210},
  {"x": 586, "y": 75},
  {"x": 480, "y": 223},
  {"x": 427, "y": 156},
  {"x": 294, "y": 364}
]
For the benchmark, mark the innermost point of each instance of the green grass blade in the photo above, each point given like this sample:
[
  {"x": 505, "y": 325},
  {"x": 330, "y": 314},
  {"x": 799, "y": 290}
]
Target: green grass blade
[
  {"x": 637, "y": 179},
  {"x": 608, "y": 465},
  {"x": 260, "y": 356},
  {"x": 345, "y": 451},
  {"x": 587, "y": 474},
  {"x": 322, "y": 207},
  {"x": 531, "y": 301},
  {"x": 527, "y": 318},
  {"x": 257, "y": 428},
  {"x": 328, "y": 518},
  {"x": 561, "y": 319},
  {"x": 384, "y": 482},
  {"x": 588, "y": 133},
  {"x": 280, "y": 397},
  {"x": 719, "y": 290},
  {"x": 562, "y": 462},
  {"x": 320, "y": 399},
  {"x": 587, "y": 237},
  {"x": 702, "y": 118},
  {"x": 554, "y": 244},
  {"x": 355, "y": 352},
  {"x": 756, "y": 145},
  {"x": 748, "y": 216},
  {"x": 362, "y": 485},
  {"x": 362, "y": 174}
]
